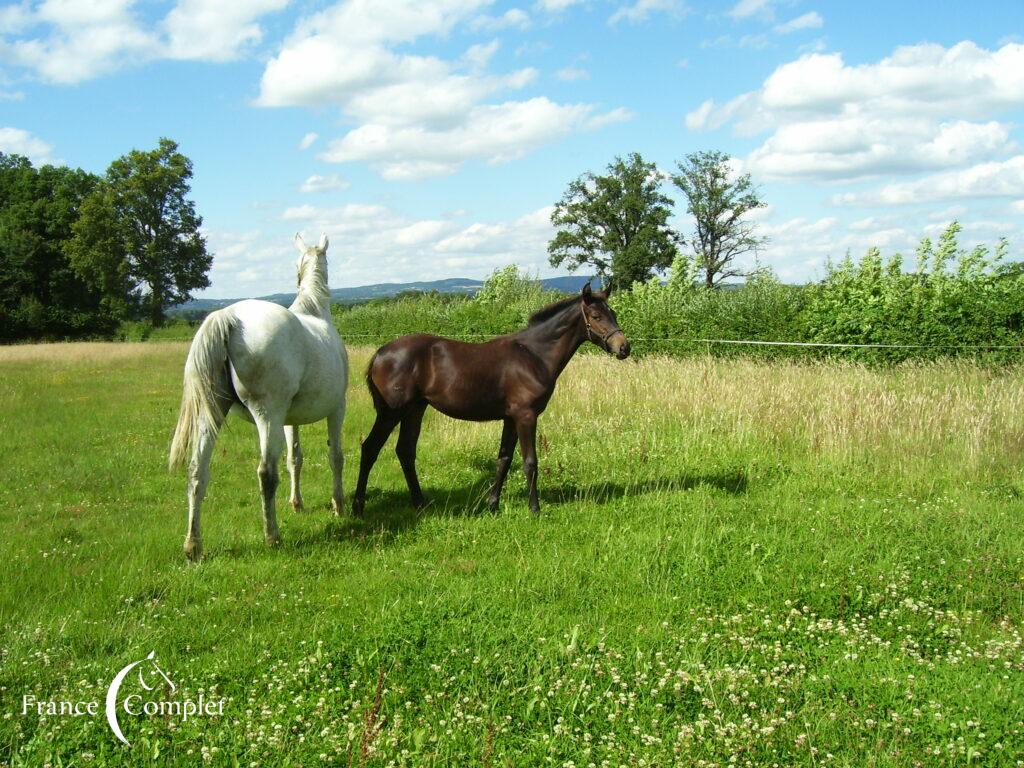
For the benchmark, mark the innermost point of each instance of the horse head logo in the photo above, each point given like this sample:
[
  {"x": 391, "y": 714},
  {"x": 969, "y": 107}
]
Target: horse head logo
[
  {"x": 146, "y": 665},
  {"x": 155, "y": 672}
]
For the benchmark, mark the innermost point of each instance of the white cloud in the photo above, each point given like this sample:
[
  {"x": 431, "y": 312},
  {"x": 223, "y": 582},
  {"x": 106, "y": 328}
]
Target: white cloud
[
  {"x": 415, "y": 115},
  {"x": 617, "y": 115},
  {"x": 640, "y": 10},
  {"x": 15, "y": 19},
  {"x": 762, "y": 40},
  {"x": 308, "y": 140},
  {"x": 513, "y": 18},
  {"x": 853, "y": 147},
  {"x": 701, "y": 118},
  {"x": 572, "y": 74},
  {"x": 916, "y": 110},
  {"x": 7, "y": 90},
  {"x": 746, "y": 8},
  {"x": 344, "y": 56},
  {"x": 479, "y": 55},
  {"x": 328, "y": 183},
  {"x": 926, "y": 79},
  {"x": 422, "y": 232},
  {"x": 798, "y": 249},
  {"x": 556, "y": 6},
  {"x": 213, "y": 30},
  {"x": 1017, "y": 206},
  {"x": 373, "y": 244},
  {"x": 77, "y": 40},
  {"x": 15, "y": 141},
  {"x": 993, "y": 179},
  {"x": 85, "y": 40},
  {"x": 249, "y": 264},
  {"x": 948, "y": 214},
  {"x": 492, "y": 132},
  {"x": 299, "y": 213},
  {"x": 810, "y": 20}
]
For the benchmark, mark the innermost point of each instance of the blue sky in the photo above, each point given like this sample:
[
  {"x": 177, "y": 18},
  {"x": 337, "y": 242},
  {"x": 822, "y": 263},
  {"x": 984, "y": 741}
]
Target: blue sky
[{"x": 429, "y": 139}]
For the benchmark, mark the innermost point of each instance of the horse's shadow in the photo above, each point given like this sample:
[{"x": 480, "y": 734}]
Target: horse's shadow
[{"x": 389, "y": 512}]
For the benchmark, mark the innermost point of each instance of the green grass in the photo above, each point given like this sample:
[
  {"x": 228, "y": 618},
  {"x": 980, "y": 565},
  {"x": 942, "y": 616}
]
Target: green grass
[{"x": 736, "y": 563}]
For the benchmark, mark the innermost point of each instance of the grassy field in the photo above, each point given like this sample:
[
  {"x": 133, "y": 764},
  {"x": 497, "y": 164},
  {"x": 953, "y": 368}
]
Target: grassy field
[{"x": 737, "y": 563}]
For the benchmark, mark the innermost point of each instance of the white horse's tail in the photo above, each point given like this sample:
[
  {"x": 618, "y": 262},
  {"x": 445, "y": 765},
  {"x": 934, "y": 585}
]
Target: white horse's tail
[{"x": 207, "y": 386}]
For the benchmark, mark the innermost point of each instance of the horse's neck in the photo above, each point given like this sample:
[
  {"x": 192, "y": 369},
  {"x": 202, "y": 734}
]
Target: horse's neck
[
  {"x": 555, "y": 341},
  {"x": 308, "y": 303},
  {"x": 313, "y": 297}
]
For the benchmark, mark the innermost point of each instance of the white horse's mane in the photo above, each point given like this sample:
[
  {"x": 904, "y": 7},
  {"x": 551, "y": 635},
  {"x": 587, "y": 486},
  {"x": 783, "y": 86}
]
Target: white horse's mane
[{"x": 313, "y": 289}]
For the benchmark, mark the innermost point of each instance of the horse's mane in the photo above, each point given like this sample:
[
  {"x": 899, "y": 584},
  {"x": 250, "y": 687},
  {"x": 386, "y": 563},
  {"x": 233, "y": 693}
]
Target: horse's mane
[
  {"x": 546, "y": 313},
  {"x": 312, "y": 287}
]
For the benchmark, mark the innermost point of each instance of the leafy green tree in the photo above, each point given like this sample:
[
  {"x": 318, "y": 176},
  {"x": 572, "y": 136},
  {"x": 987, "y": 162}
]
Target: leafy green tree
[
  {"x": 138, "y": 238},
  {"x": 41, "y": 296},
  {"x": 718, "y": 206},
  {"x": 617, "y": 223}
]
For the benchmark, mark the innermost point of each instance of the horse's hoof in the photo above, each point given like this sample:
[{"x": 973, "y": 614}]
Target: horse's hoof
[
  {"x": 338, "y": 507},
  {"x": 358, "y": 506},
  {"x": 193, "y": 550},
  {"x": 274, "y": 540},
  {"x": 421, "y": 503},
  {"x": 492, "y": 505},
  {"x": 297, "y": 505}
]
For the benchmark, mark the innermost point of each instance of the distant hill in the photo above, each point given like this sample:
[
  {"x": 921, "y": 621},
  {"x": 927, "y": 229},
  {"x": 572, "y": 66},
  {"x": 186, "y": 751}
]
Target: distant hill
[{"x": 567, "y": 284}]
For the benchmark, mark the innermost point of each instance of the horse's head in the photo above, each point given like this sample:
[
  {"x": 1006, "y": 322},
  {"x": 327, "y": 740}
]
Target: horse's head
[
  {"x": 601, "y": 324},
  {"x": 315, "y": 255},
  {"x": 151, "y": 673}
]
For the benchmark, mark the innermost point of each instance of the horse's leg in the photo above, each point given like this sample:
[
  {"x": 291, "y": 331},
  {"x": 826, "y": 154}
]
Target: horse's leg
[
  {"x": 505, "y": 451},
  {"x": 336, "y": 457},
  {"x": 271, "y": 443},
  {"x": 198, "y": 478},
  {"x": 382, "y": 428},
  {"x": 526, "y": 426},
  {"x": 291, "y": 439},
  {"x": 408, "y": 436}
]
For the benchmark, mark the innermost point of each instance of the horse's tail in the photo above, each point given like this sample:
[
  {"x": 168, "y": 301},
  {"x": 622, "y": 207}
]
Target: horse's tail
[
  {"x": 207, "y": 386},
  {"x": 378, "y": 397}
]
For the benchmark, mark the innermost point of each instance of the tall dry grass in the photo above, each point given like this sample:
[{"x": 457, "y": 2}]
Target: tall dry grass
[
  {"x": 88, "y": 351},
  {"x": 951, "y": 415}
]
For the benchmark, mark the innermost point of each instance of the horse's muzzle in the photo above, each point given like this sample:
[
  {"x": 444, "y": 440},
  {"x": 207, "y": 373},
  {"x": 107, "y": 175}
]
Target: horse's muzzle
[{"x": 623, "y": 351}]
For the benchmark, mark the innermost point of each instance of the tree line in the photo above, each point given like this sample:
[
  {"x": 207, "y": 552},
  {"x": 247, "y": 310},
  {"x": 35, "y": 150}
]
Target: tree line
[{"x": 81, "y": 253}]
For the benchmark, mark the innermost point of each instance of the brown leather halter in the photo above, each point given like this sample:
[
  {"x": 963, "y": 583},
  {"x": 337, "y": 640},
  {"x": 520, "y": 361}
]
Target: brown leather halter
[{"x": 591, "y": 335}]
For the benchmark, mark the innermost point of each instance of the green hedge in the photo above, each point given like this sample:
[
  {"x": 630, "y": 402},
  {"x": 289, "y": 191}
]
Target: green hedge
[{"x": 952, "y": 301}]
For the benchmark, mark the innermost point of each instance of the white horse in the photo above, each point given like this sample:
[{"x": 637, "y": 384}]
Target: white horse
[{"x": 279, "y": 368}]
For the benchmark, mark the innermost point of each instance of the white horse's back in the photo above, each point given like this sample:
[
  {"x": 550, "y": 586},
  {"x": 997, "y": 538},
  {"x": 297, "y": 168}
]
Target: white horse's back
[
  {"x": 284, "y": 367},
  {"x": 279, "y": 359}
]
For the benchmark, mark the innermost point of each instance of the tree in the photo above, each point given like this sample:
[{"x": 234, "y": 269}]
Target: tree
[
  {"x": 618, "y": 223},
  {"x": 41, "y": 296},
  {"x": 718, "y": 206},
  {"x": 137, "y": 237}
]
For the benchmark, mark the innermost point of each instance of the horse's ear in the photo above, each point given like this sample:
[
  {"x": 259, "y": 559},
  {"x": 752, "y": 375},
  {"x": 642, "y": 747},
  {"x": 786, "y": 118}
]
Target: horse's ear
[
  {"x": 587, "y": 292},
  {"x": 608, "y": 290},
  {"x": 300, "y": 243},
  {"x": 323, "y": 242}
]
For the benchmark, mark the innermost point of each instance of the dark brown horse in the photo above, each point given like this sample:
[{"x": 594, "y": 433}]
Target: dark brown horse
[{"x": 509, "y": 378}]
